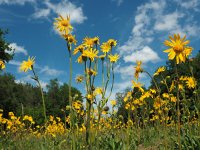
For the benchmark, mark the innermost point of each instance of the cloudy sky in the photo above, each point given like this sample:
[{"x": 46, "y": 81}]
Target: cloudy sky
[{"x": 139, "y": 26}]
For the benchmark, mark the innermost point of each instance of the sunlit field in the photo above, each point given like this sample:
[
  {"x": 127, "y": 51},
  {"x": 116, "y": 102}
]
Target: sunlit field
[{"x": 162, "y": 115}]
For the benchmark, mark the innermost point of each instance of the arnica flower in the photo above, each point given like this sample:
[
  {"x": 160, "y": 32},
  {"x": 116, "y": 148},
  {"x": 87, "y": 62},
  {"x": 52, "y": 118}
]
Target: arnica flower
[
  {"x": 178, "y": 48},
  {"x": 138, "y": 69},
  {"x": 105, "y": 47},
  {"x": 2, "y": 65},
  {"x": 191, "y": 82},
  {"x": 137, "y": 85},
  {"x": 113, "y": 58},
  {"x": 26, "y": 65},
  {"x": 98, "y": 91},
  {"x": 70, "y": 38},
  {"x": 96, "y": 40},
  {"x": 113, "y": 103},
  {"x": 160, "y": 69},
  {"x": 91, "y": 72},
  {"x": 79, "y": 79},
  {"x": 90, "y": 53},
  {"x": 88, "y": 42},
  {"x": 79, "y": 48},
  {"x": 63, "y": 25},
  {"x": 112, "y": 42}
]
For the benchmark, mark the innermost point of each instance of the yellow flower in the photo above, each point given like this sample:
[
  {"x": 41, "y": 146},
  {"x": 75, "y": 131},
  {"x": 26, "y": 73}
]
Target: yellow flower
[
  {"x": 79, "y": 48},
  {"x": 172, "y": 86},
  {"x": 113, "y": 102},
  {"x": 137, "y": 85},
  {"x": 25, "y": 65},
  {"x": 160, "y": 69},
  {"x": 2, "y": 65},
  {"x": 79, "y": 79},
  {"x": 88, "y": 42},
  {"x": 77, "y": 105},
  {"x": 113, "y": 58},
  {"x": 191, "y": 82},
  {"x": 112, "y": 42},
  {"x": 178, "y": 48},
  {"x": 98, "y": 91},
  {"x": 90, "y": 53},
  {"x": 105, "y": 47},
  {"x": 63, "y": 25},
  {"x": 70, "y": 38},
  {"x": 96, "y": 40},
  {"x": 138, "y": 69},
  {"x": 91, "y": 72},
  {"x": 173, "y": 99}
]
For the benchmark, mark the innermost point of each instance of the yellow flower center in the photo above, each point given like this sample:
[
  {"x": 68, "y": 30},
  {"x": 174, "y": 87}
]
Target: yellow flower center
[
  {"x": 178, "y": 48},
  {"x": 65, "y": 23}
]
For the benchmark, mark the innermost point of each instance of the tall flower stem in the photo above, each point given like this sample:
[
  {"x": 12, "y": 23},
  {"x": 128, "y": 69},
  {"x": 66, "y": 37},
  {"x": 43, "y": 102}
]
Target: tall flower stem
[
  {"x": 42, "y": 94},
  {"x": 70, "y": 98},
  {"x": 178, "y": 108}
]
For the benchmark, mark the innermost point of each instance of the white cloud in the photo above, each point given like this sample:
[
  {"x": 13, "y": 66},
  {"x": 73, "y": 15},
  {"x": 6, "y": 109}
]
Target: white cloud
[
  {"x": 18, "y": 49},
  {"x": 168, "y": 22},
  {"x": 41, "y": 13},
  {"x": 18, "y": 2},
  {"x": 144, "y": 55},
  {"x": 50, "y": 72},
  {"x": 189, "y": 4},
  {"x": 65, "y": 8},
  {"x": 119, "y": 2},
  {"x": 14, "y": 62}
]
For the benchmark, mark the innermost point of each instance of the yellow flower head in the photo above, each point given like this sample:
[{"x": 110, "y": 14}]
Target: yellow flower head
[
  {"x": 137, "y": 85},
  {"x": 90, "y": 53},
  {"x": 79, "y": 79},
  {"x": 63, "y": 25},
  {"x": 160, "y": 69},
  {"x": 80, "y": 48},
  {"x": 2, "y": 65},
  {"x": 70, "y": 38},
  {"x": 96, "y": 40},
  {"x": 112, "y": 42},
  {"x": 98, "y": 91},
  {"x": 178, "y": 48},
  {"x": 25, "y": 65},
  {"x": 105, "y": 47},
  {"x": 88, "y": 42},
  {"x": 113, "y": 58},
  {"x": 191, "y": 82},
  {"x": 138, "y": 69},
  {"x": 91, "y": 72},
  {"x": 113, "y": 102}
]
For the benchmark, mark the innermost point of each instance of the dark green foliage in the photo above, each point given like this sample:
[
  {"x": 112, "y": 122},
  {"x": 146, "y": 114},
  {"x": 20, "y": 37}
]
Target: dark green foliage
[
  {"x": 26, "y": 99},
  {"x": 4, "y": 47}
]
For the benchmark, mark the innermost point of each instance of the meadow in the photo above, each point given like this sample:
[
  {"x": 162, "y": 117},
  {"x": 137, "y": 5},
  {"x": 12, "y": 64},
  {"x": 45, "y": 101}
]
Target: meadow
[{"x": 162, "y": 116}]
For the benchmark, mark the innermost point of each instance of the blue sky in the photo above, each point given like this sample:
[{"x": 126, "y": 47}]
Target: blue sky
[{"x": 139, "y": 26}]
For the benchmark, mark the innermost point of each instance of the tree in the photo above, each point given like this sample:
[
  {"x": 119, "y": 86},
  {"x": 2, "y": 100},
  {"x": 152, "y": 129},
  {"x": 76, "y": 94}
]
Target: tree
[{"x": 5, "y": 50}]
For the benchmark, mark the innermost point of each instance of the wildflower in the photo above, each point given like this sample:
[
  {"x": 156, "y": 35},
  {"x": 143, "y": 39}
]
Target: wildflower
[
  {"x": 172, "y": 86},
  {"x": 63, "y": 24},
  {"x": 178, "y": 48},
  {"x": 70, "y": 38},
  {"x": 80, "y": 48},
  {"x": 113, "y": 58},
  {"x": 105, "y": 47},
  {"x": 160, "y": 69},
  {"x": 157, "y": 103},
  {"x": 138, "y": 69},
  {"x": 91, "y": 72},
  {"x": 2, "y": 65},
  {"x": 112, "y": 42},
  {"x": 191, "y": 82},
  {"x": 25, "y": 65},
  {"x": 113, "y": 102},
  {"x": 137, "y": 85},
  {"x": 79, "y": 79},
  {"x": 98, "y": 91},
  {"x": 88, "y": 42},
  {"x": 173, "y": 99},
  {"x": 90, "y": 53},
  {"x": 96, "y": 40}
]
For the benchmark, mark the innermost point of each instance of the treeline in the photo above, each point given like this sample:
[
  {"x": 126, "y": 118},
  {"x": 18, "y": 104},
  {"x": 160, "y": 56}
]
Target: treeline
[
  {"x": 26, "y": 99},
  {"x": 190, "y": 68}
]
